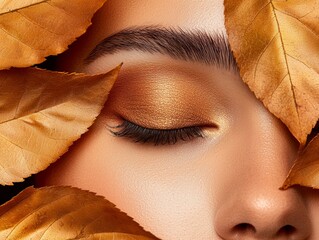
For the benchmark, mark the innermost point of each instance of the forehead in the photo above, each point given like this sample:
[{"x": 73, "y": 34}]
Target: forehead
[
  {"x": 116, "y": 15},
  {"x": 200, "y": 14}
]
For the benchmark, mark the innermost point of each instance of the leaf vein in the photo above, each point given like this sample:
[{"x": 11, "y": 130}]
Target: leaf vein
[
  {"x": 36, "y": 210},
  {"x": 18, "y": 105},
  {"x": 261, "y": 54},
  {"x": 314, "y": 107},
  {"x": 37, "y": 24},
  {"x": 286, "y": 61},
  {"x": 259, "y": 11},
  {"x": 302, "y": 62},
  {"x": 38, "y": 111},
  {"x": 10, "y": 174},
  {"x": 305, "y": 15},
  {"x": 90, "y": 223},
  {"x": 22, "y": 149},
  {"x": 281, "y": 81},
  {"x": 61, "y": 9},
  {"x": 15, "y": 38},
  {"x": 34, "y": 4},
  {"x": 298, "y": 19},
  {"x": 70, "y": 212}
]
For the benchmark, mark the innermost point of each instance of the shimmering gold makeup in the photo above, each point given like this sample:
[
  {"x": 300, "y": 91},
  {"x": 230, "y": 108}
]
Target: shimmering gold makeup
[{"x": 162, "y": 96}]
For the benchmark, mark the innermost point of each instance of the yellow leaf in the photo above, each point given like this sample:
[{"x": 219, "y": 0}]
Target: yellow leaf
[
  {"x": 64, "y": 213},
  {"x": 305, "y": 171},
  {"x": 12, "y": 5},
  {"x": 42, "y": 114},
  {"x": 31, "y": 30},
  {"x": 276, "y": 45}
]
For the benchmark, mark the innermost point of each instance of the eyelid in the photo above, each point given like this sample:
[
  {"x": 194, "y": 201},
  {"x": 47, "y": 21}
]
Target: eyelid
[{"x": 145, "y": 135}]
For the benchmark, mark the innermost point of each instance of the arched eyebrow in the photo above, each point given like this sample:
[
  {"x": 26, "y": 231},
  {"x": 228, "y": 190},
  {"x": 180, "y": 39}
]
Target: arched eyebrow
[{"x": 195, "y": 45}]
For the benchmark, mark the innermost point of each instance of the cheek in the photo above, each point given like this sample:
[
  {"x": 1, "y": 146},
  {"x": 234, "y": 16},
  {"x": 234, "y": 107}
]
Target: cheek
[
  {"x": 163, "y": 188},
  {"x": 312, "y": 197}
]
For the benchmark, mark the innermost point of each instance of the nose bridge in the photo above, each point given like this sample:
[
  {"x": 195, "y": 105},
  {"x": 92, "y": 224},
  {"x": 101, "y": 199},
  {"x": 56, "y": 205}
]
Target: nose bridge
[
  {"x": 268, "y": 150},
  {"x": 254, "y": 207}
]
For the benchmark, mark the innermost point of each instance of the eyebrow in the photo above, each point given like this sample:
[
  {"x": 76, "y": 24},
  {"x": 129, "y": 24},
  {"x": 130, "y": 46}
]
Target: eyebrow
[{"x": 196, "y": 45}]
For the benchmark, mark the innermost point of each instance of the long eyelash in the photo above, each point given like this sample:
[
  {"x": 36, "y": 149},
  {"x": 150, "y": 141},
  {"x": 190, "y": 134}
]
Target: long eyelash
[{"x": 156, "y": 136}]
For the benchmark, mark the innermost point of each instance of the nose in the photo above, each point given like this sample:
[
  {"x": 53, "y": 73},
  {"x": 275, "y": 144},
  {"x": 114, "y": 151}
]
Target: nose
[
  {"x": 269, "y": 215},
  {"x": 253, "y": 207}
]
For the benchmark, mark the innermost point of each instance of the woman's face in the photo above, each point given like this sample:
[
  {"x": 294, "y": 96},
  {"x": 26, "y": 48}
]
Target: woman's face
[{"x": 210, "y": 157}]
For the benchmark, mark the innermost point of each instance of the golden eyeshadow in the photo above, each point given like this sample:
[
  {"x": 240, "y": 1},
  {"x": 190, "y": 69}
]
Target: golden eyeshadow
[{"x": 165, "y": 98}]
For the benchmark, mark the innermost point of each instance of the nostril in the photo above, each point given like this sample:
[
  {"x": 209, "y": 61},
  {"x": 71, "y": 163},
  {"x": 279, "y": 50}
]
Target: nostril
[
  {"x": 286, "y": 230},
  {"x": 244, "y": 228}
]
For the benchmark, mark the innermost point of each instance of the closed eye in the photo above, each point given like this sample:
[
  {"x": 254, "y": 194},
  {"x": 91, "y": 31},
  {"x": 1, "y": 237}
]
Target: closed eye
[{"x": 141, "y": 134}]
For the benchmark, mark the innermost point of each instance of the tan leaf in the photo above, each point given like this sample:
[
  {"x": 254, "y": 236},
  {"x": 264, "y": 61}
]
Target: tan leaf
[
  {"x": 42, "y": 114},
  {"x": 12, "y": 5},
  {"x": 276, "y": 45},
  {"x": 31, "y": 30},
  {"x": 63, "y": 213},
  {"x": 305, "y": 171}
]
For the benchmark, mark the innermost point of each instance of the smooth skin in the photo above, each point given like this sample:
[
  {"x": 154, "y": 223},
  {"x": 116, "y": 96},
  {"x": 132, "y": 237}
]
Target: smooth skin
[{"x": 222, "y": 186}]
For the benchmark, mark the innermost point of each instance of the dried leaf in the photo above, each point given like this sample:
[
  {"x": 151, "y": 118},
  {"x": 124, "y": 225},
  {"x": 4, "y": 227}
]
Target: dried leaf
[
  {"x": 42, "y": 114},
  {"x": 305, "y": 171},
  {"x": 12, "y": 5},
  {"x": 64, "y": 213},
  {"x": 31, "y": 30},
  {"x": 276, "y": 45}
]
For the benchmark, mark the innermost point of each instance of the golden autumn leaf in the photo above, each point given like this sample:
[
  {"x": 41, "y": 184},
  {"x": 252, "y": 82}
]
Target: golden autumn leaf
[
  {"x": 276, "y": 45},
  {"x": 31, "y": 30},
  {"x": 65, "y": 213},
  {"x": 305, "y": 171},
  {"x": 11, "y": 5},
  {"x": 42, "y": 114}
]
